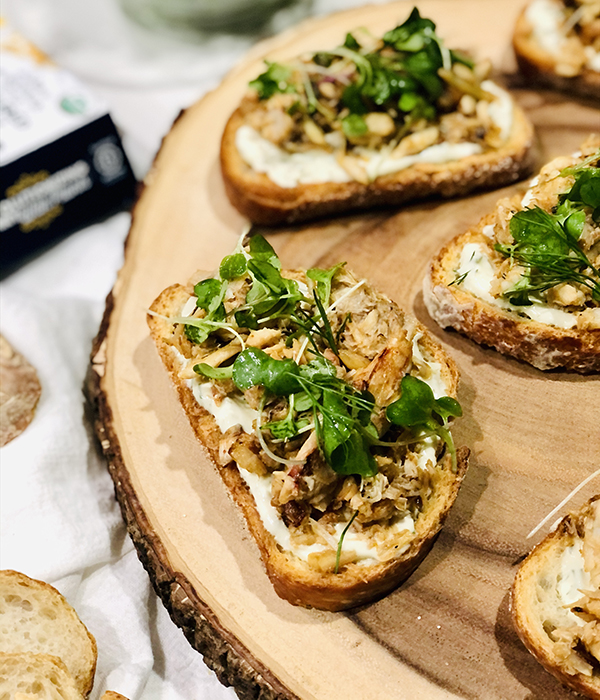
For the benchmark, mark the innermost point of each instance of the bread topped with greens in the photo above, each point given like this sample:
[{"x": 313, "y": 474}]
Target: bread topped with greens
[
  {"x": 526, "y": 279},
  {"x": 376, "y": 121},
  {"x": 557, "y": 44},
  {"x": 556, "y": 601},
  {"x": 326, "y": 411}
]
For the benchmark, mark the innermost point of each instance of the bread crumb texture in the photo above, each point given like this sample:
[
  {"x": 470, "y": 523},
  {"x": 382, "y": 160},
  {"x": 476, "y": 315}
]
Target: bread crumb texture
[
  {"x": 30, "y": 676},
  {"x": 36, "y": 619},
  {"x": 556, "y": 600}
]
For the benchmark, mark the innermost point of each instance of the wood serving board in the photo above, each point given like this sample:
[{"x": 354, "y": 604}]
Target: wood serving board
[{"x": 446, "y": 633}]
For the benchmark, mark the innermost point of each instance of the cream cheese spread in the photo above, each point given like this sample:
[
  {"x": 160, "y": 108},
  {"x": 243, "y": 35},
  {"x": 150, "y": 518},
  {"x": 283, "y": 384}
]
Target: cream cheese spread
[
  {"x": 478, "y": 273},
  {"x": 317, "y": 166},
  {"x": 592, "y": 58},
  {"x": 573, "y": 578},
  {"x": 546, "y": 18},
  {"x": 501, "y": 110},
  {"x": 428, "y": 371}
]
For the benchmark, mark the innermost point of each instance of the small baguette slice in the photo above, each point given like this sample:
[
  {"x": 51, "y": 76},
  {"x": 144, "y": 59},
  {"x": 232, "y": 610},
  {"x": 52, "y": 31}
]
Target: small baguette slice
[
  {"x": 542, "y": 345},
  {"x": 264, "y": 202},
  {"x": 292, "y": 577},
  {"x": 35, "y": 618},
  {"x": 540, "y": 611},
  {"x": 540, "y": 66},
  {"x": 36, "y": 677}
]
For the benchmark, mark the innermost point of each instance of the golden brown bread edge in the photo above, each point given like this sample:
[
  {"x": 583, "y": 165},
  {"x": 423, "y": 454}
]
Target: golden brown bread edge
[
  {"x": 263, "y": 202},
  {"x": 523, "y": 603},
  {"x": 539, "y": 66},
  {"x": 543, "y": 346},
  {"x": 292, "y": 578}
]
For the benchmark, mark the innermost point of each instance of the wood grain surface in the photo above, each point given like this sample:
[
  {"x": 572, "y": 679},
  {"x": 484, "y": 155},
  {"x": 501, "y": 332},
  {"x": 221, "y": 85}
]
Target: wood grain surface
[{"x": 534, "y": 436}]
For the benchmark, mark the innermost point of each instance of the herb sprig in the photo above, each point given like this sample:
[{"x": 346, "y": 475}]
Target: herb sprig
[
  {"x": 547, "y": 244},
  {"x": 271, "y": 297},
  {"x": 341, "y": 414}
]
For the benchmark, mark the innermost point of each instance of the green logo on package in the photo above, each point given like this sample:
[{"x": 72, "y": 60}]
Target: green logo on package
[{"x": 73, "y": 105}]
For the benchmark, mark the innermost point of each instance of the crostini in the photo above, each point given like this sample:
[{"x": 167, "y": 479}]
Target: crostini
[
  {"x": 526, "y": 279},
  {"x": 557, "y": 44},
  {"x": 326, "y": 411},
  {"x": 376, "y": 121},
  {"x": 556, "y": 601}
]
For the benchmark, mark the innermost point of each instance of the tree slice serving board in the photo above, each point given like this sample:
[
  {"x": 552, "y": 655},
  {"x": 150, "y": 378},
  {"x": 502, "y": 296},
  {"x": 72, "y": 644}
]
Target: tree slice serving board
[{"x": 446, "y": 633}]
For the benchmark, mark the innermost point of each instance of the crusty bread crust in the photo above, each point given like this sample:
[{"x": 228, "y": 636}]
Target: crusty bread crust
[
  {"x": 264, "y": 202},
  {"x": 525, "y": 607},
  {"x": 543, "y": 346},
  {"x": 291, "y": 577},
  {"x": 539, "y": 66},
  {"x": 33, "y": 609}
]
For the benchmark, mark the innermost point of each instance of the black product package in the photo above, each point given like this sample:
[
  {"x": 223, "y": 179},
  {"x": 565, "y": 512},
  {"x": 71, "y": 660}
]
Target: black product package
[{"x": 62, "y": 165}]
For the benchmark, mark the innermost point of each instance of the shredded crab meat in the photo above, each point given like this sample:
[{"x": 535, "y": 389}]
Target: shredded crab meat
[
  {"x": 578, "y": 28},
  {"x": 309, "y": 496}
]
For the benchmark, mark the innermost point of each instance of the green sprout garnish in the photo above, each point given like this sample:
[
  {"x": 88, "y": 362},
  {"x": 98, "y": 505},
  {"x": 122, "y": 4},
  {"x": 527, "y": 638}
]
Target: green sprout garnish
[
  {"x": 547, "y": 245},
  {"x": 418, "y": 410},
  {"x": 338, "y": 553},
  {"x": 342, "y": 416}
]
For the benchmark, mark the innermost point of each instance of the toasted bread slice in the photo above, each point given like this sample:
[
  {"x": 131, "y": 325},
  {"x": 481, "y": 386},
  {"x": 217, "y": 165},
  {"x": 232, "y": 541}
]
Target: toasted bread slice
[
  {"x": 112, "y": 695},
  {"x": 555, "y": 601},
  {"x": 551, "y": 54},
  {"x": 324, "y": 135},
  {"x": 264, "y": 202},
  {"x": 36, "y": 677},
  {"x": 387, "y": 503},
  {"x": 35, "y": 618},
  {"x": 471, "y": 285}
]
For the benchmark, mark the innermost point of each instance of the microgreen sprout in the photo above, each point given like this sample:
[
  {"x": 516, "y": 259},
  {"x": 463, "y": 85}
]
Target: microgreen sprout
[
  {"x": 341, "y": 414},
  {"x": 418, "y": 410},
  {"x": 317, "y": 398}
]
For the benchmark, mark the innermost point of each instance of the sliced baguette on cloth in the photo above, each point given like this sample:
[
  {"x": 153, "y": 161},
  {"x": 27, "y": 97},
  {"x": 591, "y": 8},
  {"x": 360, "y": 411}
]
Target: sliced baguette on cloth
[
  {"x": 36, "y": 619},
  {"x": 556, "y": 607},
  {"x": 30, "y": 676},
  {"x": 544, "y": 67},
  {"x": 292, "y": 577},
  {"x": 507, "y": 329}
]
